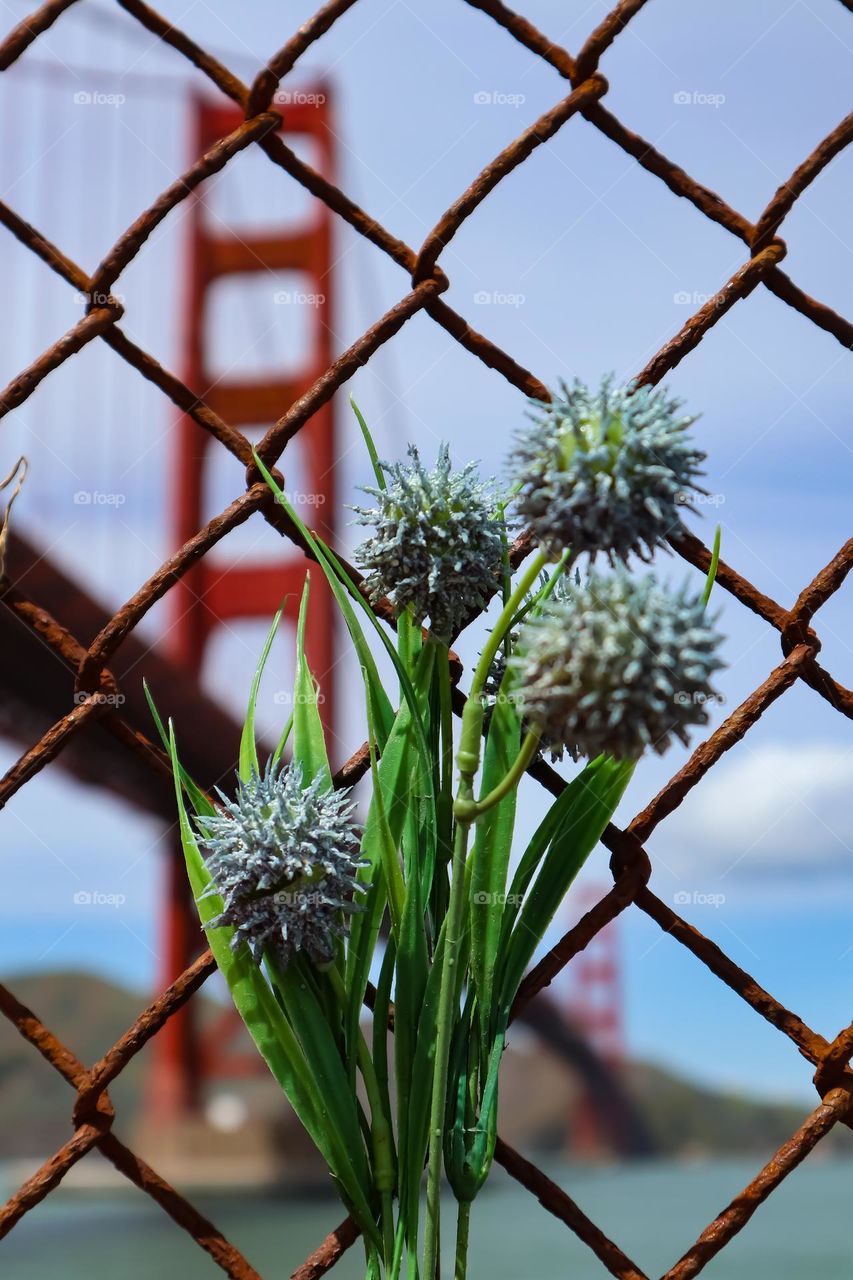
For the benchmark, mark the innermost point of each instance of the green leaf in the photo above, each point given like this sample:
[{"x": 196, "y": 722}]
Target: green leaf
[
  {"x": 411, "y": 982},
  {"x": 248, "y": 746},
  {"x": 712, "y": 568},
  {"x": 490, "y": 859},
  {"x": 308, "y": 1020},
  {"x": 361, "y": 948},
  {"x": 282, "y": 742},
  {"x": 339, "y": 579},
  {"x": 386, "y": 817},
  {"x": 413, "y": 1138},
  {"x": 200, "y": 802},
  {"x": 309, "y": 741},
  {"x": 371, "y": 447},
  {"x": 380, "y": 1021},
  {"x": 391, "y": 869},
  {"x": 382, "y": 710},
  {"x": 579, "y": 816}
]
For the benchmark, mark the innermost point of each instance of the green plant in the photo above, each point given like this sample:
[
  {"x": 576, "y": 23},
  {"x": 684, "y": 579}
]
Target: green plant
[{"x": 293, "y": 898}]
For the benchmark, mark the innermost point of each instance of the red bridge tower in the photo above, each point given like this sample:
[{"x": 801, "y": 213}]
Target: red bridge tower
[{"x": 210, "y": 594}]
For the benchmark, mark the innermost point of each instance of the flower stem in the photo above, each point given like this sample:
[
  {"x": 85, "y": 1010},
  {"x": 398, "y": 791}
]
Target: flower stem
[
  {"x": 473, "y": 809},
  {"x": 503, "y": 623},
  {"x": 712, "y": 568},
  {"x": 468, "y": 762},
  {"x": 444, "y": 1032},
  {"x": 463, "y": 1219}
]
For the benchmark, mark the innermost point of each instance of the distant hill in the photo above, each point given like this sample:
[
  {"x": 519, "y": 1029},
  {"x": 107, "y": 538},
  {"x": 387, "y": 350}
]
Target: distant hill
[
  {"x": 538, "y": 1095},
  {"x": 88, "y": 1015},
  {"x": 686, "y": 1119}
]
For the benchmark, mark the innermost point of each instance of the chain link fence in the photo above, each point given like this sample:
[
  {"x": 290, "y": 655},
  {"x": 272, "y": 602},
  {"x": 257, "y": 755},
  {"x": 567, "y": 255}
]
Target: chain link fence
[{"x": 92, "y": 1112}]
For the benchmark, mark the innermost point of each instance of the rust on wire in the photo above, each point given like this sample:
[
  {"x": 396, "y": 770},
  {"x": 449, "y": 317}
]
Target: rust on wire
[{"x": 91, "y": 1111}]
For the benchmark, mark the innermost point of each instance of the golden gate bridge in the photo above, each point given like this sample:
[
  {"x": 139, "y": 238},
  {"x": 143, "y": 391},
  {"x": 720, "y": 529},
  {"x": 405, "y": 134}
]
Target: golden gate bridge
[{"x": 100, "y": 445}]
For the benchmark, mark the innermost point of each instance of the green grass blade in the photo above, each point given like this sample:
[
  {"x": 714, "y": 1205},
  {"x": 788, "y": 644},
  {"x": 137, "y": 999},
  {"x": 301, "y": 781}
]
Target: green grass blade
[
  {"x": 311, "y": 1026},
  {"x": 309, "y": 740},
  {"x": 405, "y": 681},
  {"x": 199, "y": 801},
  {"x": 371, "y": 447},
  {"x": 380, "y": 1022},
  {"x": 490, "y": 858},
  {"x": 382, "y": 710},
  {"x": 411, "y": 981},
  {"x": 391, "y": 868},
  {"x": 712, "y": 568},
  {"x": 282, "y": 742},
  {"x": 342, "y": 585},
  {"x": 584, "y": 808},
  {"x": 386, "y": 817},
  {"x": 248, "y": 761},
  {"x": 531, "y": 858},
  {"x": 414, "y": 1134}
]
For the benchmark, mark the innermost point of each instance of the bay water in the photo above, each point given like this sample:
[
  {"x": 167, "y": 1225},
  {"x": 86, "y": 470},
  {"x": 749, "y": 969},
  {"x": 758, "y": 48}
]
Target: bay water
[{"x": 653, "y": 1211}]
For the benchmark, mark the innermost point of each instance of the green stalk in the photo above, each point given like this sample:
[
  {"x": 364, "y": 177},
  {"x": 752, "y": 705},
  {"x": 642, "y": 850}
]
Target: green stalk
[
  {"x": 468, "y": 762},
  {"x": 476, "y": 808},
  {"x": 463, "y": 1219},
  {"x": 503, "y": 623},
  {"x": 712, "y": 568},
  {"x": 444, "y": 1032},
  {"x": 380, "y": 1129}
]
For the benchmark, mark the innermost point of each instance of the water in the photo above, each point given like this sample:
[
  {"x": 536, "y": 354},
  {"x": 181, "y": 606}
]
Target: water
[{"x": 654, "y": 1212}]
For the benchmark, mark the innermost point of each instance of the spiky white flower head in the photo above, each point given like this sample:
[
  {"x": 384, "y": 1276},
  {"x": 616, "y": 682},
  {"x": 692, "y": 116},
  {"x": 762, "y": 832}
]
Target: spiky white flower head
[
  {"x": 437, "y": 541},
  {"x": 284, "y": 859},
  {"x": 605, "y": 471},
  {"x": 618, "y": 665}
]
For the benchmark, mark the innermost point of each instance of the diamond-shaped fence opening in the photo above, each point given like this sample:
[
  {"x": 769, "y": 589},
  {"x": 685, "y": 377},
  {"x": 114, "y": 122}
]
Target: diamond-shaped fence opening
[{"x": 762, "y": 266}]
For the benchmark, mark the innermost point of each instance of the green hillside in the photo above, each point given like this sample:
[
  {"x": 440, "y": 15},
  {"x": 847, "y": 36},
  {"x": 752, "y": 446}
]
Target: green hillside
[{"x": 89, "y": 1014}]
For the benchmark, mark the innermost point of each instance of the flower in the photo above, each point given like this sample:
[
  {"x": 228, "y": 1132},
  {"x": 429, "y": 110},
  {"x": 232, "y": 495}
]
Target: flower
[
  {"x": 605, "y": 472},
  {"x": 616, "y": 666},
  {"x": 284, "y": 859},
  {"x": 438, "y": 542}
]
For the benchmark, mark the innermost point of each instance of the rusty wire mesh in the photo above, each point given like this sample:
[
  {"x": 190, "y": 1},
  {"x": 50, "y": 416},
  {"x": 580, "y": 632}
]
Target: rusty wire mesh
[{"x": 93, "y": 1113}]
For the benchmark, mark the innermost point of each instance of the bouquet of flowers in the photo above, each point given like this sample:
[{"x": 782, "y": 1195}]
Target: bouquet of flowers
[{"x": 293, "y": 892}]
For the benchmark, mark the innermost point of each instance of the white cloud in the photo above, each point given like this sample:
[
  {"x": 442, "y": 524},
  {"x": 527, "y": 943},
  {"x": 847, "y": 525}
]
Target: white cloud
[{"x": 773, "y": 807}]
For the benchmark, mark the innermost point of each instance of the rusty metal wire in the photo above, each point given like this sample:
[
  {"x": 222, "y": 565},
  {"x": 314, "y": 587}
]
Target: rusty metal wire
[{"x": 93, "y": 1113}]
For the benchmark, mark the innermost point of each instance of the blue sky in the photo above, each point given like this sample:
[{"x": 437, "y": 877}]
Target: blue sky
[{"x": 578, "y": 264}]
